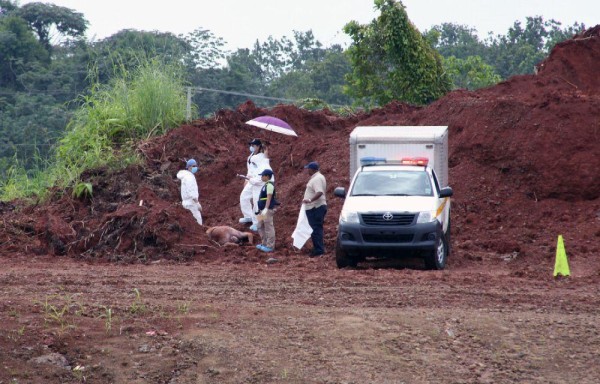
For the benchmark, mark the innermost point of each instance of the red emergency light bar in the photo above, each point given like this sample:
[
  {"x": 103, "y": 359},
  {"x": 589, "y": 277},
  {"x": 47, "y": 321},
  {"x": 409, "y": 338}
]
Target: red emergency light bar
[{"x": 414, "y": 161}]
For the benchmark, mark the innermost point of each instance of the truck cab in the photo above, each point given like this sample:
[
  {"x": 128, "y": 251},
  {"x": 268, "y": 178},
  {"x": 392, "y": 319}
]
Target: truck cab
[{"x": 394, "y": 208}]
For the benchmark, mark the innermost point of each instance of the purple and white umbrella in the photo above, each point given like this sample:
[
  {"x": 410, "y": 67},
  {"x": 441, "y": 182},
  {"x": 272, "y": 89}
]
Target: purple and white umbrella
[{"x": 273, "y": 124}]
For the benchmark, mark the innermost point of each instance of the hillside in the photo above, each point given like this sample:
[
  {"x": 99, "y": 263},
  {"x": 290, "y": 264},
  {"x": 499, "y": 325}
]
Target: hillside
[{"x": 524, "y": 159}]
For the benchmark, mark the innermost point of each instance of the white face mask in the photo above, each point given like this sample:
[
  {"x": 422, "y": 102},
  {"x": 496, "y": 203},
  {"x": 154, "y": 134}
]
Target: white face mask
[{"x": 251, "y": 149}]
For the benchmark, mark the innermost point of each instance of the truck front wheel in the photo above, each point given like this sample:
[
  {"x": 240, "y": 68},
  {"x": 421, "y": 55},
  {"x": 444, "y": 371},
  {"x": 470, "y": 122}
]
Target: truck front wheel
[
  {"x": 342, "y": 259},
  {"x": 437, "y": 258}
]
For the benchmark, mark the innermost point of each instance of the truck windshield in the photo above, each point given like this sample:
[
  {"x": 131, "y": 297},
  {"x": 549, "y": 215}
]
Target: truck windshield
[{"x": 392, "y": 183}]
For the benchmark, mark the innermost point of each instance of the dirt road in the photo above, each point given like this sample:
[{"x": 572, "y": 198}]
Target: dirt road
[{"x": 259, "y": 323}]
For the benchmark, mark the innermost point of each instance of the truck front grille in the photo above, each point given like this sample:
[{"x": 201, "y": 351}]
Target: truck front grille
[
  {"x": 388, "y": 238},
  {"x": 387, "y": 218}
]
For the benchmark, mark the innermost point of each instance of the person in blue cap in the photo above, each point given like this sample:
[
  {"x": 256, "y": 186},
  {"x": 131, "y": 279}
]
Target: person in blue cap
[
  {"x": 315, "y": 206},
  {"x": 189, "y": 189},
  {"x": 266, "y": 209}
]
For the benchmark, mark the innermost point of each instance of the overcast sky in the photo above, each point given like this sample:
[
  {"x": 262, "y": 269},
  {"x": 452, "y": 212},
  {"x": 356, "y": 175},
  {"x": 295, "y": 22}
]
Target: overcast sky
[{"x": 240, "y": 22}]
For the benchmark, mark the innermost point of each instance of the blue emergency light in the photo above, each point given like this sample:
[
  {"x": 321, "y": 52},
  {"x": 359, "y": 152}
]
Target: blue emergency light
[{"x": 371, "y": 160}]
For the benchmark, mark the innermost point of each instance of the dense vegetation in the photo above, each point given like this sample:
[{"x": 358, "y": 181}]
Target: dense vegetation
[{"x": 54, "y": 83}]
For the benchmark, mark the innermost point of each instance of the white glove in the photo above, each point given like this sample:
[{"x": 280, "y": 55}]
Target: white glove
[
  {"x": 199, "y": 207},
  {"x": 264, "y": 212}
]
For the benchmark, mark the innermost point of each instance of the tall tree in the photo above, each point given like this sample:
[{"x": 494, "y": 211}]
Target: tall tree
[
  {"x": 272, "y": 58},
  {"x": 7, "y": 6},
  {"x": 556, "y": 34},
  {"x": 305, "y": 50},
  {"x": 206, "y": 49},
  {"x": 321, "y": 77},
  {"x": 19, "y": 51},
  {"x": 470, "y": 73},
  {"x": 43, "y": 17},
  {"x": 328, "y": 76},
  {"x": 277, "y": 57},
  {"x": 292, "y": 86},
  {"x": 522, "y": 48},
  {"x": 128, "y": 48},
  {"x": 29, "y": 126},
  {"x": 456, "y": 40},
  {"x": 392, "y": 61},
  {"x": 241, "y": 74}
]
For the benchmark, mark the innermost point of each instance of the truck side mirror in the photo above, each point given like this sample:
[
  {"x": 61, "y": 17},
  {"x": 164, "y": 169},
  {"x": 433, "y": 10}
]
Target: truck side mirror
[
  {"x": 340, "y": 192},
  {"x": 446, "y": 192}
]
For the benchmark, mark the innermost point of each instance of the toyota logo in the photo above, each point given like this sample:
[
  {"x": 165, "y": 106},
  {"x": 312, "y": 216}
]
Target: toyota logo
[{"x": 388, "y": 216}]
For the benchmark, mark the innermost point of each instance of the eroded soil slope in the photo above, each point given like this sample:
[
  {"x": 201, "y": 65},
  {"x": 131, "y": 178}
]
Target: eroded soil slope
[{"x": 524, "y": 159}]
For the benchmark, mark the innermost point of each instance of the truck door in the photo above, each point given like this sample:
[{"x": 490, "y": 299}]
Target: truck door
[{"x": 443, "y": 204}]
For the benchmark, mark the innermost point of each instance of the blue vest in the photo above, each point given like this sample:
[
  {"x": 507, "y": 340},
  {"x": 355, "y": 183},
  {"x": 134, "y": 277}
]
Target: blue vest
[{"x": 262, "y": 197}]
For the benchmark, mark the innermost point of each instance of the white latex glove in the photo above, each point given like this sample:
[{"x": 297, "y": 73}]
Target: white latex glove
[{"x": 264, "y": 212}]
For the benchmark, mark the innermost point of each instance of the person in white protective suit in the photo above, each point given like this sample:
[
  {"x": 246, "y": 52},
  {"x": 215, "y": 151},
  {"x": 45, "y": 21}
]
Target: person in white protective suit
[
  {"x": 189, "y": 189},
  {"x": 256, "y": 162}
]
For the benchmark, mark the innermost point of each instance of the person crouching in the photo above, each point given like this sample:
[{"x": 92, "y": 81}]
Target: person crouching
[{"x": 266, "y": 210}]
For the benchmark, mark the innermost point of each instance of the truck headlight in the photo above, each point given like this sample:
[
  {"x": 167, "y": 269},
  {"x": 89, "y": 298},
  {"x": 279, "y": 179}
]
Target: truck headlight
[
  {"x": 426, "y": 217},
  {"x": 348, "y": 217}
]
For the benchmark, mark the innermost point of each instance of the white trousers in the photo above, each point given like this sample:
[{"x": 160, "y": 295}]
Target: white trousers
[
  {"x": 193, "y": 207},
  {"x": 249, "y": 201}
]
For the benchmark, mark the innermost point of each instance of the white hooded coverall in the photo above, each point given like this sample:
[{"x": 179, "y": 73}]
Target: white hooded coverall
[
  {"x": 189, "y": 193},
  {"x": 249, "y": 196}
]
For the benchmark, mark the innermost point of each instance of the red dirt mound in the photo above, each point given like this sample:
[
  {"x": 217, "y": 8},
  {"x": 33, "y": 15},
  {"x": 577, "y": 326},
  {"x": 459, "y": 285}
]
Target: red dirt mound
[{"x": 524, "y": 159}]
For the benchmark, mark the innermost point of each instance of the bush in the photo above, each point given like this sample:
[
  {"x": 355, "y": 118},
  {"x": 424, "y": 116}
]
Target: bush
[{"x": 133, "y": 106}]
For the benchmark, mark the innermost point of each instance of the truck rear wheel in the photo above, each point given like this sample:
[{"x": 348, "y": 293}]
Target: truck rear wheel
[
  {"x": 438, "y": 257},
  {"x": 342, "y": 259}
]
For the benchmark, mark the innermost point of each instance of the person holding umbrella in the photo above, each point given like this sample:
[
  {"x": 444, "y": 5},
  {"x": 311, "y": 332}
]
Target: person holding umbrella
[{"x": 256, "y": 163}]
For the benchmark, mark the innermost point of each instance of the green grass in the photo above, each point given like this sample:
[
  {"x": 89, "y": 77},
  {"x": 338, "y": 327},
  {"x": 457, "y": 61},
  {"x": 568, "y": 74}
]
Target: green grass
[
  {"x": 137, "y": 306},
  {"x": 21, "y": 183},
  {"x": 183, "y": 307},
  {"x": 148, "y": 101},
  {"x": 59, "y": 310}
]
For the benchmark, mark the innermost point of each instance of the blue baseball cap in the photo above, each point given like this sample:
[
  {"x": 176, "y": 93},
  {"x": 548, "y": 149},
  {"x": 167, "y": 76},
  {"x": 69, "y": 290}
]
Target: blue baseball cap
[
  {"x": 312, "y": 165},
  {"x": 191, "y": 163},
  {"x": 266, "y": 172}
]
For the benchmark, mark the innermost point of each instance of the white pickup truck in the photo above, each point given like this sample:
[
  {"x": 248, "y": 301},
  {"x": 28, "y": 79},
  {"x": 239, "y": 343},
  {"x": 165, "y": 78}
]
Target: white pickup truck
[{"x": 397, "y": 205}]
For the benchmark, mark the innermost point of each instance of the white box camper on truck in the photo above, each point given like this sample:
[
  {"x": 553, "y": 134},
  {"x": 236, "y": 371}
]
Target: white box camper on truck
[
  {"x": 398, "y": 202},
  {"x": 395, "y": 142}
]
